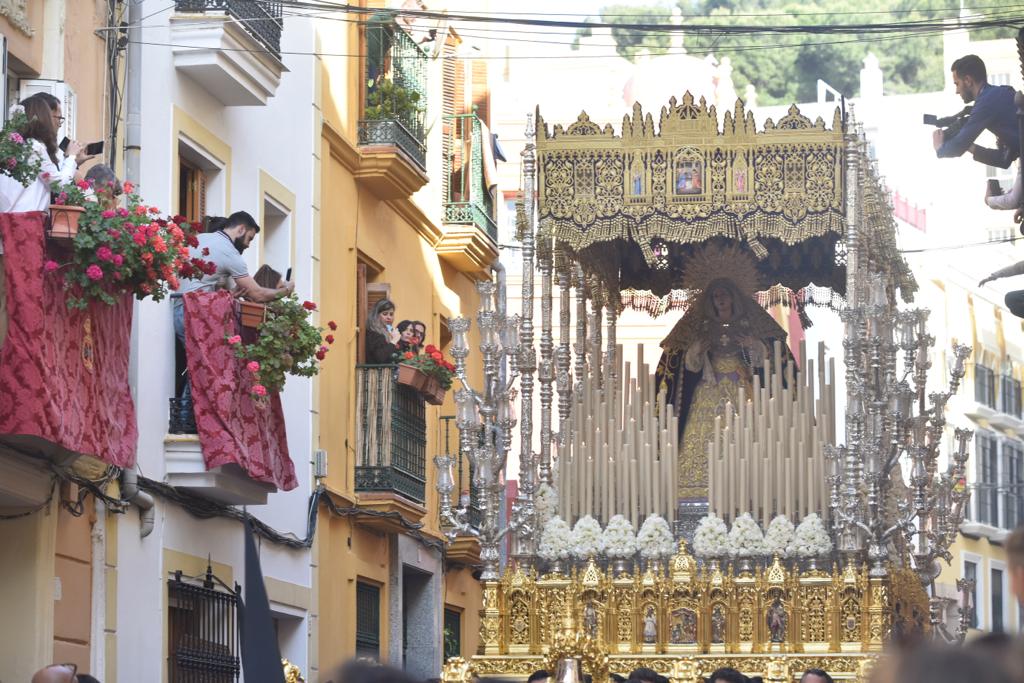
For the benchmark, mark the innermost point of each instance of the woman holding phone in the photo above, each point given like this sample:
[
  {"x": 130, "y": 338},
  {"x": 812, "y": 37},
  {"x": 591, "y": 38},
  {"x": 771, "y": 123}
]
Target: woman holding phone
[
  {"x": 381, "y": 336},
  {"x": 44, "y": 119}
]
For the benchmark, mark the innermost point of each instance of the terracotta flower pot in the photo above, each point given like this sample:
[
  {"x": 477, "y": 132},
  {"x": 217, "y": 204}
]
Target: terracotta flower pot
[
  {"x": 252, "y": 314},
  {"x": 433, "y": 393},
  {"x": 411, "y": 376},
  {"x": 63, "y": 223}
]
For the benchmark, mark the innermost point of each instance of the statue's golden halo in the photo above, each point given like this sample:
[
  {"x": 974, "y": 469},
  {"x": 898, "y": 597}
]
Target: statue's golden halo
[{"x": 717, "y": 262}]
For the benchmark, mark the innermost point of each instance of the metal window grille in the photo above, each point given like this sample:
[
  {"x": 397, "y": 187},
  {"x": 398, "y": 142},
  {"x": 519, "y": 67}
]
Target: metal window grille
[
  {"x": 203, "y": 643},
  {"x": 988, "y": 481},
  {"x": 262, "y": 19},
  {"x": 452, "y": 633},
  {"x": 469, "y": 199},
  {"x": 1009, "y": 396},
  {"x": 984, "y": 386},
  {"x": 396, "y": 77},
  {"x": 1013, "y": 484},
  {"x": 997, "y": 601},
  {"x": 392, "y": 438},
  {"x": 367, "y": 620},
  {"x": 971, "y": 574}
]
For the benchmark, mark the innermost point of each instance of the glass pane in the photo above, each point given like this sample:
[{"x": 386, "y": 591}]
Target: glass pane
[{"x": 997, "y": 600}]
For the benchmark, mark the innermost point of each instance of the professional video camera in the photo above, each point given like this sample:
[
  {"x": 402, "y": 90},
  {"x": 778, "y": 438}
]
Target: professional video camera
[{"x": 950, "y": 125}]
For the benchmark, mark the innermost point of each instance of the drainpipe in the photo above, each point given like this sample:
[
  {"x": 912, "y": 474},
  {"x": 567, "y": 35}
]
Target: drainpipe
[
  {"x": 131, "y": 493},
  {"x": 133, "y": 130}
]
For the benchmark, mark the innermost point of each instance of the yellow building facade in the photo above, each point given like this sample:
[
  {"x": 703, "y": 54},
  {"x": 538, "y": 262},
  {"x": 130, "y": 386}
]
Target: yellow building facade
[{"x": 389, "y": 223}]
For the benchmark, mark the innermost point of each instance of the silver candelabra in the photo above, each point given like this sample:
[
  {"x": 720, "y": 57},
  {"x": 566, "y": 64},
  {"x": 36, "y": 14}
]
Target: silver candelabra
[
  {"x": 887, "y": 493},
  {"x": 485, "y": 418}
]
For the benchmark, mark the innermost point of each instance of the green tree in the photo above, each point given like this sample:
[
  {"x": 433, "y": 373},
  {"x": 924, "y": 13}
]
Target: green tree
[{"x": 785, "y": 68}]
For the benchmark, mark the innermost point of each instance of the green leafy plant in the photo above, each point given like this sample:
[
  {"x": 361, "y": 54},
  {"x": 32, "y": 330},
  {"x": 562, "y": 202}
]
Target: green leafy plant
[
  {"x": 387, "y": 100},
  {"x": 16, "y": 157},
  {"x": 287, "y": 343},
  {"x": 431, "y": 363}
]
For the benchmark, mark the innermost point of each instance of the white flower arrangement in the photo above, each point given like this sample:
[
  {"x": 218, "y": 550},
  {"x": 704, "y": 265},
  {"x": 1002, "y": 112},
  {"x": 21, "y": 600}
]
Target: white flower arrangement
[
  {"x": 655, "y": 538},
  {"x": 811, "y": 538},
  {"x": 619, "y": 538},
  {"x": 546, "y": 503},
  {"x": 711, "y": 538},
  {"x": 555, "y": 540},
  {"x": 778, "y": 537},
  {"x": 745, "y": 537},
  {"x": 587, "y": 539}
]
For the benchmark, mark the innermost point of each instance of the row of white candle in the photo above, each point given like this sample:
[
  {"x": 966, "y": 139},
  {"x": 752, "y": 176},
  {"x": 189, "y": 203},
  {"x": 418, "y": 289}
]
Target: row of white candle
[
  {"x": 767, "y": 455},
  {"x": 623, "y": 453}
]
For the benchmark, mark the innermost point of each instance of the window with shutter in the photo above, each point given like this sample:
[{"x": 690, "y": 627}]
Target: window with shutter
[
  {"x": 481, "y": 93},
  {"x": 368, "y": 293},
  {"x": 191, "y": 191},
  {"x": 367, "y": 620}
]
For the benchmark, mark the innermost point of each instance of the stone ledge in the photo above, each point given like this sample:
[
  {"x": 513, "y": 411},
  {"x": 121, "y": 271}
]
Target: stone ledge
[{"x": 228, "y": 484}]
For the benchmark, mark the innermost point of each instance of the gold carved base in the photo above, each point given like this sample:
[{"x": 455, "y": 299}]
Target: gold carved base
[{"x": 686, "y": 620}]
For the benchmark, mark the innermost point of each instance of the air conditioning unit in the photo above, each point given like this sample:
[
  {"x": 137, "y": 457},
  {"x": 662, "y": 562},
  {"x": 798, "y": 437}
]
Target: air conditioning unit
[{"x": 63, "y": 92}]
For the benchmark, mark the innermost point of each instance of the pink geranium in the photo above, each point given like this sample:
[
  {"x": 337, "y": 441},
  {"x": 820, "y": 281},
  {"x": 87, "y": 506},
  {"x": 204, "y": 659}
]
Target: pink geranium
[
  {"x": 259, "y": 390},
  {"x": 118, "y": 259},
  {"x": 253, "y": 366},
  {"x": 50, "y": 266},
  {"x": 104, "y": 254},
  {"x": 237, "y": 339},
  {"x": 94, "y": 272}
]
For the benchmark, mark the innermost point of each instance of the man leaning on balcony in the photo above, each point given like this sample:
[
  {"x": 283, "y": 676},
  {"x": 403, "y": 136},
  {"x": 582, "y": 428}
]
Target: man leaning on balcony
[{"x": 222, "y": 246}]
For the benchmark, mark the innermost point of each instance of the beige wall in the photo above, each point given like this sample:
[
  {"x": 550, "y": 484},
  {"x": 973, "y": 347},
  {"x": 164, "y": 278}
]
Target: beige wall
[{"x": 72, "y": 610}]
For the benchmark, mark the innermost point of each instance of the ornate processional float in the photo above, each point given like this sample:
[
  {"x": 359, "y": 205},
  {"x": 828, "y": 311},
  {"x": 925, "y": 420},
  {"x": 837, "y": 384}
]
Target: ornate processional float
[{"x": 622, "y": 553}]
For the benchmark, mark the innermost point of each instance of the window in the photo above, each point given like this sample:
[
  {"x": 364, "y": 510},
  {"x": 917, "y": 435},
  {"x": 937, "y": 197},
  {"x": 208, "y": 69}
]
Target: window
[
  {"x": 452, "y": 633},
  {"x": 988, "y": 480},
  {"x": 1013, "y": 484},
  {"x": 191, "y": 191},
  {"x": 202, "y": 645},
  {"x": 1009, "y": 395},
  {"x": 367, "y": 620},
  {"x": 971, "y": 574},
  {"x": 368, "y": 293},
  {"x": 997, "y": 601},
  {"x": 984, "y": 386},
  {"x": 276, "y": 236}
]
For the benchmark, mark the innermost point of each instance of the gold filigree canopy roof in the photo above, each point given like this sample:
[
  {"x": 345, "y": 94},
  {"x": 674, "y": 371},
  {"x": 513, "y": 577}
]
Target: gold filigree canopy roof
[{"x": 655, "y": 192}]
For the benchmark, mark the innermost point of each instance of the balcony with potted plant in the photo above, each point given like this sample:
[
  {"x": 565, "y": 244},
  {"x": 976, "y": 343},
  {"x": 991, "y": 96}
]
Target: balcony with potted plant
[
  {"x": 64, "y": 358},
  {"x": 235, "y": 450},
  {"x": 392, "y": 131}
]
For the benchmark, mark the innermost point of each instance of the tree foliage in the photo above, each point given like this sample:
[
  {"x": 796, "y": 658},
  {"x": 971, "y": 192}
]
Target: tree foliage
[{"x": 786, "y": 68}]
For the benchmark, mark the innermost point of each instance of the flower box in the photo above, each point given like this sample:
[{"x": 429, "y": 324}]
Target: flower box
[
  {"x": 433, "y": 392},
  {"x": 252, "y": 314},
  {"x": 412, "y": 377},
  {"x": 63, "y": 224}
]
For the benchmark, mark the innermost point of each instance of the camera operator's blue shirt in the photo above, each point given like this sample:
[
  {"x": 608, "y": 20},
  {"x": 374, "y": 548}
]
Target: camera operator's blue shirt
[{"x": 993, "y": 110}]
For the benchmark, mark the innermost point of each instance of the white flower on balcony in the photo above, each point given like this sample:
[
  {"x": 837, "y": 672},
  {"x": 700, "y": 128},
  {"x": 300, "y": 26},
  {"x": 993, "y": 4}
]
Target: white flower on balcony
[
  {"x": 745, "y": 537},
  {"x": 811, "y": 538},
  {"x": 711, "y": 538},
  {"x": 619, "y": 538},
  {"x": 555, "y": 541},
  {"x": 546, "y": 503},
  {"x": 587, "y": 539},
  {"x": 655, "y": 538},
  {"x": 778, "y": 537}
]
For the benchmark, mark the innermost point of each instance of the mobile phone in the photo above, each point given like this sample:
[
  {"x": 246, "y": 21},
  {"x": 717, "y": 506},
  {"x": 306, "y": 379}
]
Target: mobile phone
[
  {"x": 64, "y": 144},
  {"x": 288, "y": 276},
  {"x": 994, "y": 189},
  {"x": 94, "y": 148}
]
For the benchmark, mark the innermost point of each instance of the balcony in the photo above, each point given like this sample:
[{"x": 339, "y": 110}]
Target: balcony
[
  {"x": 392, "y": 132},
  {"x": 391, "y": 443},
  {"x": 64, "y": 389},
  {"x": 233, "y": 47},
  {"x": 240, "y": 452},
  {"x": 470, "y": 233}
]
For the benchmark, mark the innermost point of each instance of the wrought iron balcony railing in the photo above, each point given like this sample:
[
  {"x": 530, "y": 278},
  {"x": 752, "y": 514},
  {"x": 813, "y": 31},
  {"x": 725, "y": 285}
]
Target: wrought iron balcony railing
[
  {"x": 392, "y": 434},
  {"x": 262, "y": 19},
  {"x": 468, "y": 199},
  {"x": 395, "y": 98}
]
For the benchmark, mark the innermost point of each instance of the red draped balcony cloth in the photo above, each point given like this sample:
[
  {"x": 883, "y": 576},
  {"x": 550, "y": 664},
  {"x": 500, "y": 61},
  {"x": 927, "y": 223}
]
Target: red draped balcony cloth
[
  {"x": 63, "y": 373},
  {"x": 233, "y": 426}
]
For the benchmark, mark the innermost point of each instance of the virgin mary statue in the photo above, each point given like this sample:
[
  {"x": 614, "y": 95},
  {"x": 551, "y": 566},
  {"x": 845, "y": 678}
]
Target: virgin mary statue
[{"x": 722, "y": 341}]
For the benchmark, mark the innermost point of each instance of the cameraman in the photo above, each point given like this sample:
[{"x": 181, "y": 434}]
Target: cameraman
[{"x": 993, "y": 110}]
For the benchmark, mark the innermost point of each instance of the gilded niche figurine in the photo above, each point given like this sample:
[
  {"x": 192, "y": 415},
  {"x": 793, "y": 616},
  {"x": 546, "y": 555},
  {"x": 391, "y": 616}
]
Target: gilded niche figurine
[
  {"x": 590, "y": 620},
  {"x": 776, "y": 622},
  {"x": 719, "y": 344},
  {"x": 717, "y": 625},
  {"x": 650, "y": 626}
]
